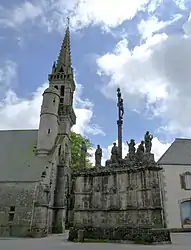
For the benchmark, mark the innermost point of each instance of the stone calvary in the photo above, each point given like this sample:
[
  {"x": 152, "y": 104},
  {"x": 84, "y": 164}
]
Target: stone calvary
[{"x": 122, "y": 200}]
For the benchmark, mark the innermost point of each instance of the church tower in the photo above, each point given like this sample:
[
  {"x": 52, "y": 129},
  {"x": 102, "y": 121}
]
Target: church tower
[
  {"x": 57, "y": 114},
  {"x": 62, "y": 79}
]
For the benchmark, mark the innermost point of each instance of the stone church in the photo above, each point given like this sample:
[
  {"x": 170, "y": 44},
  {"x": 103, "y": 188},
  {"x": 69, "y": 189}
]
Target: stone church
[{"x": 35, "y": 164}]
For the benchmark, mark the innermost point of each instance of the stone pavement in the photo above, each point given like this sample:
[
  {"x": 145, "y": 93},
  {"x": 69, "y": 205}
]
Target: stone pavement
[{"x": 180, "y": 242}]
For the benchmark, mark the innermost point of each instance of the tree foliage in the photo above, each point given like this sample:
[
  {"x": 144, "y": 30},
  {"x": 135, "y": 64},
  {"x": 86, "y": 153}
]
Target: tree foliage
[{"x": 76, "y": 140}]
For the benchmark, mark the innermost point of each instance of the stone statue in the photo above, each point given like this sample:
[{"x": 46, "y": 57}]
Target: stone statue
[
  {"x": 83, "y": 155},
  {"x": 131, "y": 149},
  {"x": 140, "y": 151},
  {"x": 120, "y": 104},
  {"x": 148, "y": 142},
  {"x": 98, "y": 156},
  {"x": 121, "y": 108},
  {"x": 114, "y": 153}
]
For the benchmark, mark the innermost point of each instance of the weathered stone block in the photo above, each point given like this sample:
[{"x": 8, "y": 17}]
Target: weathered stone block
[
  {"x": 81, "y": 235},
  {"x": 138, "y": 235}
]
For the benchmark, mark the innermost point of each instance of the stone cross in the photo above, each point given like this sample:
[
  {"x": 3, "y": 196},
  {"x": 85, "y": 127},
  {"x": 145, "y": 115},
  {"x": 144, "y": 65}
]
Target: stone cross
[{"x": 120, "y": 121}]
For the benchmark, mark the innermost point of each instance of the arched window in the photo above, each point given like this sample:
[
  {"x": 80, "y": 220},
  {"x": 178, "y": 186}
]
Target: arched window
[
  {"x": 56, "y": 87},
  {"x": 61, "y": 70},
  {"x": 62, "y": 90},
  {"x": 49, "y": 131}
]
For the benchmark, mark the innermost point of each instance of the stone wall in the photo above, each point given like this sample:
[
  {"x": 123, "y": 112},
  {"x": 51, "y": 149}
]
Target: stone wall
[
  {"x": 16, "y": 207},
  {"x": 24, "y": 210},
  {"x": 111, "y": 197}
]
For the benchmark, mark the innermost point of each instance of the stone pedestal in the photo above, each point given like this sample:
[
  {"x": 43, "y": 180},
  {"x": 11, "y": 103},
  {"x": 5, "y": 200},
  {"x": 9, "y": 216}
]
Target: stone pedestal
[
  {"x": 149, "y": 158},
  {"x": 108, "y": 162},
  {"x": 80, "y": 235}
]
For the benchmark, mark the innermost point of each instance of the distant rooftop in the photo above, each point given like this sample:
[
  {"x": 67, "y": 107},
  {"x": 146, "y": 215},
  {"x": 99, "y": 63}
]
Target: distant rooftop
[{"x": 179, "y": 153}]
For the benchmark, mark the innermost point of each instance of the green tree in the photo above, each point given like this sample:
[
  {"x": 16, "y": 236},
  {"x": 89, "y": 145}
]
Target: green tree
[{"x": 76, "y": 140}]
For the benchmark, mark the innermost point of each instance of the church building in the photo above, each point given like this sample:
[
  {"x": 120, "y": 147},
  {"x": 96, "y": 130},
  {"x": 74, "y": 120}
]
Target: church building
[{"x": 35, "y": 164}]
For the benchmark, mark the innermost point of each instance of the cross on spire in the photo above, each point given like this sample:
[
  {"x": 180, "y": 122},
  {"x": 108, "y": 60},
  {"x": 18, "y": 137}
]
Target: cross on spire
[{"x": 68, "y": 21}]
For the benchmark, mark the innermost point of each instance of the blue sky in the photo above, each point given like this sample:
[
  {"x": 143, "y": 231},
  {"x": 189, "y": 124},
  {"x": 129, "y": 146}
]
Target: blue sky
[{"x": 142, "y": 47}]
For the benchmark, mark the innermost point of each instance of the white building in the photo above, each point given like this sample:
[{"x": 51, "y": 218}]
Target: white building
[{"x": 176, "y": 182}]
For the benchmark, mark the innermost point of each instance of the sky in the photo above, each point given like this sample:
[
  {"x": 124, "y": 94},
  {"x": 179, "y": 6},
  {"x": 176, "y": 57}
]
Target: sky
[{"x": 141, "y": 46}]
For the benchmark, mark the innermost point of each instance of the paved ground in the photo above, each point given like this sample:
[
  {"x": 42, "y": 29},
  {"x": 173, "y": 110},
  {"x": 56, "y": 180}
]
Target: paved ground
[{"x": 180, "y": 242}]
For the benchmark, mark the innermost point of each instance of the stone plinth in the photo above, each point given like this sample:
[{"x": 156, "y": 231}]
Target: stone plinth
[{"x": 138, "y": 235}]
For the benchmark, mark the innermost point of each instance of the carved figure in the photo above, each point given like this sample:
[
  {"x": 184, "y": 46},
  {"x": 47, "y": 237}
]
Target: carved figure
[
  {"x": 148, "y": 142},
  {"x": 83, "y": 154},
  {"x": 114, "y": 153},
  {"x": 121, "y": 108},
  {"x": 140, "y": 151},
  {"x": 120, "y": 104},
  {"x": 98, "y": 156},
  {"x": 131, "y": 149}
]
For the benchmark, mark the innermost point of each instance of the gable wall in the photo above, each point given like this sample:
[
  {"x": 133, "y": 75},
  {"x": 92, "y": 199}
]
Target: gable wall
[{"x": 173, "y": 194}]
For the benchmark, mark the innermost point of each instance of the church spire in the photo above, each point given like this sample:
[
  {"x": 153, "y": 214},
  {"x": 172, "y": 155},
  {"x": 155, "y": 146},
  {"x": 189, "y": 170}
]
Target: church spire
[{"x": 64, "y": 58}]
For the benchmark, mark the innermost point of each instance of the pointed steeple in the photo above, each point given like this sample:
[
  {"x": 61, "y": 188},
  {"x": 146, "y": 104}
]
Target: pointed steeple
[{"x": 64, "y": 58}]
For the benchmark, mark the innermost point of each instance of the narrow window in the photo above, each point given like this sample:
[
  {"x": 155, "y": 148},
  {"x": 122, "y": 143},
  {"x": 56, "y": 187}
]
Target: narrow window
[
  {"x": 43, "y": 174},
  {"x": 71, "y": 97},
  {"x": 11, "y": 213},
  {"x": 185, "y": 181},
  {"x": 54, "y": 100},
  {"x": 49, "y": 131},
  {"x": 11, "y": 216},
  {"x": 59, "y": 150},
  {"x": 62, "y": 91}
]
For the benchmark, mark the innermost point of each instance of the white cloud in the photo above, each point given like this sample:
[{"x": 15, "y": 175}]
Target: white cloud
[
  {"x": 187, "y": 26},
  {"x": 148, "y": 27},
  {"x": 180, "y": 4},
  {"x": 133, "y": 72},
  {"x": 152, "y": 25},
  {"x": 99, "y": 12},
  {"x": 155, "y": 75},
  {"x": 27, "y": 11},
  {"x": 52, "y": 14},
  {"x": 8, "y": 71}
]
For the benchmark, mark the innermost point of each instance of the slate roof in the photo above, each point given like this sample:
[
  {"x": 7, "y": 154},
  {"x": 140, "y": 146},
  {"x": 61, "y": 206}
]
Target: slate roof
[
  {"x": 179, "y": 153},
  {"x": 18, "y": 161}
]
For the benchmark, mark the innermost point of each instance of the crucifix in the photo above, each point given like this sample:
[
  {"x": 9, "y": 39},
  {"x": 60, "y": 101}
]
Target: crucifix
[{"x": 120, "y": 121}]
